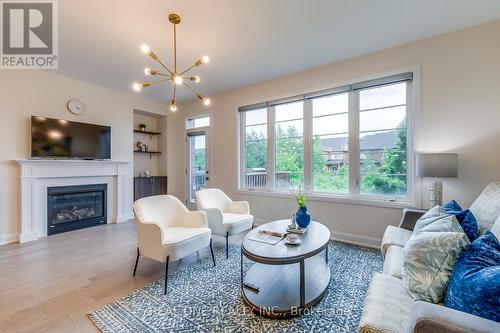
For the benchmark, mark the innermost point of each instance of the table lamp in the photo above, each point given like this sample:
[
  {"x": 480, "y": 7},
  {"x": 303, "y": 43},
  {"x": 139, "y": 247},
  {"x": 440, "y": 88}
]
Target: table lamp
[{"x": 437, "y": 166}]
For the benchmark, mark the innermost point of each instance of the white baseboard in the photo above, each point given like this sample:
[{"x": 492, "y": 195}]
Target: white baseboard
[
  {"x": 9, "y": 238},
  {"x": 345, "y": 237},
  {"x": 125, "y": 217},
  {"x": 370, "y": 242}
]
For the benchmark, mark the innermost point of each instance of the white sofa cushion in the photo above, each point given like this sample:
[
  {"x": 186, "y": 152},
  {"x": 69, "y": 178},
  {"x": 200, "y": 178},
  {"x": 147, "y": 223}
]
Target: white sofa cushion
[
  {"x": 394, "y": 236},
  {"x": 182, "y": 243},
  {"x": 387, "y": 306},
  {"x": 486, "y": 208},
  {"x": 236, "y": 223},
  {"x": 393, "y": 261},
  {"x": 495, "y": 229}
]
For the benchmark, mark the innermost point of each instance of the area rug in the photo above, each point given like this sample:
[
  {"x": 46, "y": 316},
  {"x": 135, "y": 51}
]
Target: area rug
[{"x": 202, "y": 298}]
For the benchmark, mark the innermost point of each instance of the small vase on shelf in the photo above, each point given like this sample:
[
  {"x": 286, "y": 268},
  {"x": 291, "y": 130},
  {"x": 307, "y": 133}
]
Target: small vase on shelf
[{"x": 302, "y": 217}]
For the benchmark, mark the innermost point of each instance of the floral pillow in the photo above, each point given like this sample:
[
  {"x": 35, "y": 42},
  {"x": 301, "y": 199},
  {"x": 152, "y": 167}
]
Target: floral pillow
[{"x": 429, "y": 257}]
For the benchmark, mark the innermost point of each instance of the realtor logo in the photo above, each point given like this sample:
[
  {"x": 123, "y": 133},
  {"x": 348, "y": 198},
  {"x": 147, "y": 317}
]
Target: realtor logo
[{"x": 29, "y": 34}]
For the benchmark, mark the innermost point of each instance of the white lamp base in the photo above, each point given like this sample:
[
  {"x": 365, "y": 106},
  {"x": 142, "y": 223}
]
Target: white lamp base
[{"x": 435, "y": 192}]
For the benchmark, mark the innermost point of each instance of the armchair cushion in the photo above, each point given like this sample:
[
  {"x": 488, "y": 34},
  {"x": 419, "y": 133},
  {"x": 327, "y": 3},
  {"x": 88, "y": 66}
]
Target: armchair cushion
[
  {"x": 174, "y": 235},
  {"x": 394, "y": 236},
  {"x": 236, "y": 223}
]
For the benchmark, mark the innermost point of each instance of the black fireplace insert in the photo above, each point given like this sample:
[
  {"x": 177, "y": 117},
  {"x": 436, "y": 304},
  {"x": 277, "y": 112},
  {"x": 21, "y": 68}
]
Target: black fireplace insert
[{"x": 75, "y": 207}]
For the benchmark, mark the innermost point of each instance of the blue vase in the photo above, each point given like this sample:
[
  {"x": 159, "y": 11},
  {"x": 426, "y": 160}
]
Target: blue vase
[{"x": 302, "y": 217}]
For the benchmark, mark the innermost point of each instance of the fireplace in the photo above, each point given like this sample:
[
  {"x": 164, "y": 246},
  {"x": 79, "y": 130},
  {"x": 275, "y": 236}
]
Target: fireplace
[{"x": 75, "y": 207}]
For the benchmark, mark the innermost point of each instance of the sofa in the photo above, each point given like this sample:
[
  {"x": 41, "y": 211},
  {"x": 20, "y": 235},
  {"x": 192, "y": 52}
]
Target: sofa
[{"x": 389, "y": 308}]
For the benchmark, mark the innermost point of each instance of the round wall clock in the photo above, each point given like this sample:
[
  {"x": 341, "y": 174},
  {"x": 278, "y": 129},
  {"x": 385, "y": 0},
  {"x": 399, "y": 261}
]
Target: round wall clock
[{"x": 76, "y": 107}]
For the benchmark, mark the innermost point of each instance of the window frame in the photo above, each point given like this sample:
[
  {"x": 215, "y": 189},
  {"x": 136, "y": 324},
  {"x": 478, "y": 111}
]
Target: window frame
[{"x": 354, "y": 196}]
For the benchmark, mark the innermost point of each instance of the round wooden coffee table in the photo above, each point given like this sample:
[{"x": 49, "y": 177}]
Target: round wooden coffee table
[{"x": 285, "y": 279}]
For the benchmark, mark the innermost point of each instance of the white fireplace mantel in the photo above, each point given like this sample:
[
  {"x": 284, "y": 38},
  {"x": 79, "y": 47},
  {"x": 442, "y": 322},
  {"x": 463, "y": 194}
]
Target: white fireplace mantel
[{"x": 37, "y": 175}]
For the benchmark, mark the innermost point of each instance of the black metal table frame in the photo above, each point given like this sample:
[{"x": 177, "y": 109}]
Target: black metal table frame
[{"x": 286, "y": 261}]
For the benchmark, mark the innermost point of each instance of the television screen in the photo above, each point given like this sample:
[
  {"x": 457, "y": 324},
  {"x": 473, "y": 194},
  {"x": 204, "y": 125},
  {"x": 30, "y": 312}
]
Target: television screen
[{"x": 69, "y": 139}]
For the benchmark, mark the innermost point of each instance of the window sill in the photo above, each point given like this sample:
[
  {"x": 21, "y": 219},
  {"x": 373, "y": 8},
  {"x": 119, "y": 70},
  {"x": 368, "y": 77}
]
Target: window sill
[{"x": 343, "y": 199}]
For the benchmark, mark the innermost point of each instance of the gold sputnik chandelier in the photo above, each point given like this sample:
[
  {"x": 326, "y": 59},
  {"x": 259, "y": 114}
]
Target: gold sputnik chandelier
[{"x": 177, "y": 78}]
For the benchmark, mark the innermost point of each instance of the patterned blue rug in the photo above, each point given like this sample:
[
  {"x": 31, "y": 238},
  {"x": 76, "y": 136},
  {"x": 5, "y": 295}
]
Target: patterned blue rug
[{"x": 201, "y": 298}]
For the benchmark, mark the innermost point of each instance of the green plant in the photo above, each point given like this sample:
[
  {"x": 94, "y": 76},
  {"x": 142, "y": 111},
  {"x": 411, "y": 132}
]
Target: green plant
[{"x": 300, "y": 197}]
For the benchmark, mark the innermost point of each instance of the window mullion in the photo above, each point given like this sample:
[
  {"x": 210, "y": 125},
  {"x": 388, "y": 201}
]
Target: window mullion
[
  {"x": 307, "y": 137},
  {"x": 353, "y": 146},
  {"x": 270, "y": 147},
  {"x": 243, "y": 155}
]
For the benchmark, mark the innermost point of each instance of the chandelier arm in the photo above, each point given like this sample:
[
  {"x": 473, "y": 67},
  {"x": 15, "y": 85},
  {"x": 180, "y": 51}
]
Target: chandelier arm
[
  {"x": 197, "y": 94},
  {"x": 162, "y": 65},
  {"x": 159, "y": 81},
  {"x": 163, "y": 74},
  {"x": 187, "y": 70}
]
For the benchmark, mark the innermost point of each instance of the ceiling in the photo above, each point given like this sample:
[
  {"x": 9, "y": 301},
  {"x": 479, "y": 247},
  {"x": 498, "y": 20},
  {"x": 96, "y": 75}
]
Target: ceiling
[{"x": 247, "y": 41}]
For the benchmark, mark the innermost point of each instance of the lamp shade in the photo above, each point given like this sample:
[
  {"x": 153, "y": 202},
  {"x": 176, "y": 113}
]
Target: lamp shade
[{"x": 437, "y": 165}]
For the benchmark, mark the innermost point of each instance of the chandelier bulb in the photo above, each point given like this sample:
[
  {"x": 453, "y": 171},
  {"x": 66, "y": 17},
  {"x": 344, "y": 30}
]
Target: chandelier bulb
[
  {"x": 196, "y": 79},
  {"x": 145, "y": 49},
  {"x": 205, "y": 59},
  {"x": 136, "y": 86},
  {"x": 178, "y": 79},
  {"x": 173, "y": 107},
  {"x": 147, "y": 71},
  {"x": 206, "y": 101}
]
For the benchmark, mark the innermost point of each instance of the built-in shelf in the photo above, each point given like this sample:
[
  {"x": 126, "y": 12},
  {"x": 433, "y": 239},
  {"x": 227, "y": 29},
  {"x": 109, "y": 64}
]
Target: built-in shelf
[
  {"x": 151, "y": 153},
  {"x": 146, "y": 132}
]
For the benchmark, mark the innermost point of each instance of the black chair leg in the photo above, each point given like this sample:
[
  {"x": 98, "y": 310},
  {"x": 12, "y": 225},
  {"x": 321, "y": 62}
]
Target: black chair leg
[
  {"x": 212, "y": 251},
  {"x": 253, "y": 224},
  {"x": 136, "y": 261},
  {"x": 166, "y": 273},
  {"x": 227, "y": 245}
]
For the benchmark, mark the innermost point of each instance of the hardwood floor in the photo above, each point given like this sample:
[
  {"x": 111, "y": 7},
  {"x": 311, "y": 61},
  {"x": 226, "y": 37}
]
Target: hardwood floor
[{"x": 51, "y": 284}]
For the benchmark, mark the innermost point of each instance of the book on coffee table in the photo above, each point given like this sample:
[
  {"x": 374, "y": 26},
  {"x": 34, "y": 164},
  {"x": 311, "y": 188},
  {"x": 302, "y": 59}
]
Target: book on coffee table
[
  {"x": 298, "y": 230},
  {"x": 268, "y": 237}
]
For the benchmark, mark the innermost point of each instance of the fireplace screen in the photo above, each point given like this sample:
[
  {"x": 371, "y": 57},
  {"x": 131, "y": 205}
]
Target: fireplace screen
[{"x": 75, "y": 207}]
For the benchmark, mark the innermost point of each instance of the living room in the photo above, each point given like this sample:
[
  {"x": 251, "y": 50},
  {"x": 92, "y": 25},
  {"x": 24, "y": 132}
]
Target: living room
[{"x": 289, "y": 150}]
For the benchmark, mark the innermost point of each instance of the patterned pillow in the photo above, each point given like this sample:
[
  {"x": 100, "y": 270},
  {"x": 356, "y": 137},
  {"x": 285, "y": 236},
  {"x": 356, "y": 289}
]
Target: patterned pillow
[
  {"x": 429, "y": 257},
  {"x": 475, "y": 280},
  {"x": 432, "y": 215},
  {"x": 465, "y": 218}
]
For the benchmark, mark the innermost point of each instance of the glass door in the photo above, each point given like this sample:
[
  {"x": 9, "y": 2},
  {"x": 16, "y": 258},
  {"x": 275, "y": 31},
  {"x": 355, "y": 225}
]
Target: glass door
[{"x": 197, "y": 162}]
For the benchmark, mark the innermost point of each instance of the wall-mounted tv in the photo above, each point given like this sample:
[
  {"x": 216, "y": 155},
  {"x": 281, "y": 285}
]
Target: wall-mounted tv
[{"x": 59, "y": 138}]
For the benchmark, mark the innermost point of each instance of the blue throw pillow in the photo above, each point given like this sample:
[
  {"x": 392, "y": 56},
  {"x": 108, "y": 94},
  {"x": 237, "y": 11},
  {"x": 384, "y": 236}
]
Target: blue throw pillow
[
  {"x": 451, "y": 206},
  {"x": 465, "y": 218},
  {"x": 474, "y": 286}
]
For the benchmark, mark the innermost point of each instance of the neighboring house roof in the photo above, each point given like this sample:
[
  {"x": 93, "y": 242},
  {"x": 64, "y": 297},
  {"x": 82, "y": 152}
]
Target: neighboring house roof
[{"x": 376, "y": 141}]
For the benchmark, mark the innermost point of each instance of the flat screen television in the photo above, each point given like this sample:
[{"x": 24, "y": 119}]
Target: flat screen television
[{"x": 59, "y": 138}]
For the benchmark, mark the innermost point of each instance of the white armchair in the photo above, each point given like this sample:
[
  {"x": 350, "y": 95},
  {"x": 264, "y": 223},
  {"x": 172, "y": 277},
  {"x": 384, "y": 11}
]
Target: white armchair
[
  {"x": 168, "y": 231},
  {"x": 225, "y": 217}
]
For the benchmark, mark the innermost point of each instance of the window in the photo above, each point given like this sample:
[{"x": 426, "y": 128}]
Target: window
[
  {"x": 255, "y": 147},
  {"x": 289, "y": 147},
  {"x": 382, "y": 140},
  {"x": 202, "y": 121},
  {"x": 330, "y": 153},
  {"x": 350, "y": 141}
]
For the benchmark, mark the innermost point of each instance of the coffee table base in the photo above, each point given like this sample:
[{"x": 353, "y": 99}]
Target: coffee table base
[{"x": 279, "y": 287}]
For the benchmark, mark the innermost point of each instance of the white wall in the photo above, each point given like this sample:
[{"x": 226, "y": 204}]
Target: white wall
[
  {"x": 24, "y": 93},
  {"x": 460, "y": 113}
]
